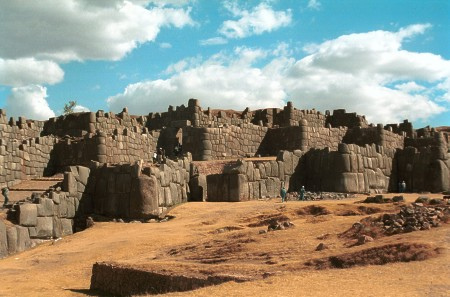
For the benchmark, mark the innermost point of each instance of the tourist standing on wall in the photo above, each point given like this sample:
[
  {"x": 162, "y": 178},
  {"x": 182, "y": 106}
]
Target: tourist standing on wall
[
  {"x": 403, "y": 187},
  {"x": 283, "y": 193}
]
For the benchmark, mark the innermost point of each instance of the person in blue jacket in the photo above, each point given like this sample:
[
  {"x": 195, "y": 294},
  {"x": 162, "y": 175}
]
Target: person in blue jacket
[
  {"x": 283, "y": 193},
  {"x": 302, "y": 193}
]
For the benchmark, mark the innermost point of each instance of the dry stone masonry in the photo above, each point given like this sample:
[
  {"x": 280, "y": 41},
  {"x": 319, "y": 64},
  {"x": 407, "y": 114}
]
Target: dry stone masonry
[{"x": 108, "y": 166}]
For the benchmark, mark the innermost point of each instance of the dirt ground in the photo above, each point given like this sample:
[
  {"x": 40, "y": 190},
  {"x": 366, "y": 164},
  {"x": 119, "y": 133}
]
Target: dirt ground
[{"x": 229, "y": 238}]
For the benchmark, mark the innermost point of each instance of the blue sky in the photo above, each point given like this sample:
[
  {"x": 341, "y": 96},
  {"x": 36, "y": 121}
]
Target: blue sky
[{"x": 389, "y": 60}]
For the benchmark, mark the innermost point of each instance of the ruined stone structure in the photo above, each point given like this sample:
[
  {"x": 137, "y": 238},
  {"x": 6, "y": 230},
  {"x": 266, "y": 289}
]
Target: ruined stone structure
[{"x": 107, "y": 160}]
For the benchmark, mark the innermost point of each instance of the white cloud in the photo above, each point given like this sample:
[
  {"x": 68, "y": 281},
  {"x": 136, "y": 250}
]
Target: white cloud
[
  {"x": 410, "y": 87},
  {"x": 165, "y": 45},
  {"x": 26, "y": 71},
  {"x": 29, "y": 101},
  {"x": 314, "y": 4},
  {"x": 261, "y": 19},
  {"x": 354, "y": 72},
  {"x": 223, "y": 81},
  {"x": 79, "y": 30},
  {"x": 368, "y": 73},
  {"x": 214, "y": 41},
  {"x": 80, "y": 108},
  {"x": 37, "y": 35}
]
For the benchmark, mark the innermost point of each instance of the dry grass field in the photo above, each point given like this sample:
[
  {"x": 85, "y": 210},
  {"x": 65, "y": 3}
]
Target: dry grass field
[{"x": 230, "y": 238}]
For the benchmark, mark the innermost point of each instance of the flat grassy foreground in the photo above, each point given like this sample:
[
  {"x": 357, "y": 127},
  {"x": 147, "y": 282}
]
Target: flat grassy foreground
[{"x": 230, "y": 238}]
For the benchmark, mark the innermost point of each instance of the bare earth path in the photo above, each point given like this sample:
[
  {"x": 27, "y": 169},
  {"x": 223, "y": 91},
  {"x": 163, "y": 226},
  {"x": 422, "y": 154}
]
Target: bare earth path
[{"x": 229, "y": 233}]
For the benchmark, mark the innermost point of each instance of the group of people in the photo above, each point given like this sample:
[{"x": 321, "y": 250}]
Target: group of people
[
  {"x": 159, "y": 157},
  {"x": 301, "y": 194}
]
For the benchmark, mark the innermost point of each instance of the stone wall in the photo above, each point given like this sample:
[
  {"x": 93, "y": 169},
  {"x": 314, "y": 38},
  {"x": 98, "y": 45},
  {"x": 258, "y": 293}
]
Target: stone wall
[
  {"x": 80, "y": 124},
  {"x": 23, "y": 153},
  {"x": 341, "y": 118},
  {"x": 287, "y": 117},
  {"x": 425, "y": 164},
  {"x": 350, "y": 169},
  {"x": 301, "y": 137},
  {"x": 136, "y": 191},
  {"x": 374, "y": 135},
  {"x": 121, "y": 280},
  {"x": 116, "y": 191},
  {"x": 225, "y": 142},
  {"x": 172, "y": 180},
  {"x": 247, "y": 180},
  {"x": 405, "y": 127}
]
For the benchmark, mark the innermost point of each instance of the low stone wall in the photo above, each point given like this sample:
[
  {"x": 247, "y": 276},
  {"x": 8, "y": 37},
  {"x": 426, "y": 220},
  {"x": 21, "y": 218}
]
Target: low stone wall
[{"x": 124, "y": 280}]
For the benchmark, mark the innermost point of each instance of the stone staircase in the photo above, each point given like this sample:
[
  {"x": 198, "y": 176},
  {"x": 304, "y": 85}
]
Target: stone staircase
[{"x": 26, "y": 188}]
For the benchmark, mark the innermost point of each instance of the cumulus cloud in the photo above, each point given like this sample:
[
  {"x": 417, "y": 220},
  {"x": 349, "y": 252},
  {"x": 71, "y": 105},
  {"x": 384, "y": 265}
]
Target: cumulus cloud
[
  {"x": 356, "y": 70},
  {"x": 26, "y": 71},
  {"x": 38, "y": 35},
  {"x": 260, "y": 19},
  {"x": 29, "y": 101},
  {"x": 223, "y": 81},
  {"x": 369, "y": 73},
  {"x": 80, "y": 30}
]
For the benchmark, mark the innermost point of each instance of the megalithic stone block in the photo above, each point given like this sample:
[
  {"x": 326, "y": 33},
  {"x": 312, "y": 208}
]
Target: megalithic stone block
[
  {"x": 28, "y": 214},
  {"x": 11, "y": 234},
  {"x": 23, "y": 239},
  {"x": 44, "y": 227},
  {"x": 144, "y": 197}
]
